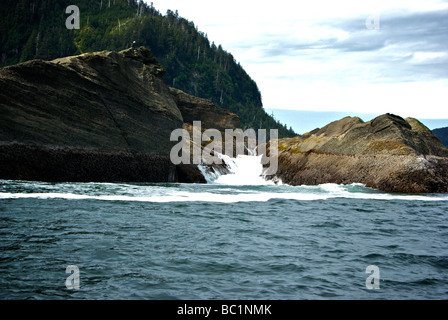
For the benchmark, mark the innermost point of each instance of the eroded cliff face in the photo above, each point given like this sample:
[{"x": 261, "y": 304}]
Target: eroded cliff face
[
  {"x": 197, "y": 109},
  {"x": 104, "y": 100},
  {"x": 388, "y": 153},
  {"x": 103, "y": 116}
]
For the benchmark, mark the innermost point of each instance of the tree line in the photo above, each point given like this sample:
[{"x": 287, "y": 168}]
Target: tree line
[{"x": 35, "y": 29}]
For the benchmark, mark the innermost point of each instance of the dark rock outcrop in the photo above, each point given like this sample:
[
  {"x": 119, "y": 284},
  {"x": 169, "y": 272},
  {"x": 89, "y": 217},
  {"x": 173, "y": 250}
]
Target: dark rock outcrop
[
  {"x": 55, "y": 164},
  {"x": 104, "y": 100},
  {"x": 388, "y": 153},
  {"x": 189, "y": 173},
  {"x": 103, "y": 116},
  {"x": 198, "y": 109}
]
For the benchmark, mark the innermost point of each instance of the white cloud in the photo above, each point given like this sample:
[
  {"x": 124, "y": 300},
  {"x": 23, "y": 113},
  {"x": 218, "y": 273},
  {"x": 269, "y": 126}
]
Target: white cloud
[
  {"x": 419, "y": 57},
  {"x": 318, "y": 55}
]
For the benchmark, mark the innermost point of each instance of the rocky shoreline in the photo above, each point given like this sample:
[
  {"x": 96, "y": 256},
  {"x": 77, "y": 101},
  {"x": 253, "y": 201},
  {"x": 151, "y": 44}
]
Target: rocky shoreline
[
  {"x": 108, "y": 117},
  {"x": 388, "y": 153},
  {"x": 398, "y": 174},
  {"x": 103, "y": 116}
]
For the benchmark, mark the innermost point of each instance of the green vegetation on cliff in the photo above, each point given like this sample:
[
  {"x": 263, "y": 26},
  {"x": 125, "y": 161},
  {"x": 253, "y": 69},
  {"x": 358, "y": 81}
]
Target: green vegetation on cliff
[{"x": 35, "y": 29}]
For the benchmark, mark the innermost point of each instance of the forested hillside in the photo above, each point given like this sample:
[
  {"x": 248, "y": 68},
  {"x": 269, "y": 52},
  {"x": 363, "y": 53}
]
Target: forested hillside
[{"x": 33, "y": 29}]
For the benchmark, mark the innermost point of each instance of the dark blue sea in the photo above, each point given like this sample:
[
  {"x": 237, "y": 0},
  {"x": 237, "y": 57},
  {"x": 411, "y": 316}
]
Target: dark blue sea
[{"x": 220, "y": 241}]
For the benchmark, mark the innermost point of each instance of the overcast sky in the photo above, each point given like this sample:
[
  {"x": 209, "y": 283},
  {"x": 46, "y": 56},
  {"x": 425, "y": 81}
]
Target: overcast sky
[{"x": 357, "y": 56}]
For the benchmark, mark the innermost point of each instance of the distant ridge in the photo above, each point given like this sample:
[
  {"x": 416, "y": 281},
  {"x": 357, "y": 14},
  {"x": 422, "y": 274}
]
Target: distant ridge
[{"x": 442, "y": 134}]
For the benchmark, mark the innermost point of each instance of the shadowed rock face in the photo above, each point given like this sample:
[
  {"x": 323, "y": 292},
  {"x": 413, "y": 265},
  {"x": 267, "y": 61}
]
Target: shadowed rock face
[
  {"x": 26, "y": 162},
  {"x": 198, "y": 109},
  {"x": 105, "y": 100},
  {"x": 387, "y": 153},
  {"x": 103, "y": 116}
]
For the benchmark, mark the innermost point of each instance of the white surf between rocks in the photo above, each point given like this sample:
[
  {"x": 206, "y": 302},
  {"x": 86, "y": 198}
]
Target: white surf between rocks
[{"x": 244, "y": 170}]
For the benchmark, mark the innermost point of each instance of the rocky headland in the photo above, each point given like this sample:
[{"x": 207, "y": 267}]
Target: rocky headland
[
  {"x": 102, "y": 116},
  {"x": 108, "y": 116},
  {"x": 388, "y": 153}
]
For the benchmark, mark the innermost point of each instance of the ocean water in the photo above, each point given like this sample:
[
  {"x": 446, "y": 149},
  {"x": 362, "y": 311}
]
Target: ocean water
[{"x": 221, "y": 240}]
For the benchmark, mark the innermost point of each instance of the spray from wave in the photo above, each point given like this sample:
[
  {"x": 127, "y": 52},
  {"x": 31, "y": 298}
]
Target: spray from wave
[{"x": 242, "y": 170}]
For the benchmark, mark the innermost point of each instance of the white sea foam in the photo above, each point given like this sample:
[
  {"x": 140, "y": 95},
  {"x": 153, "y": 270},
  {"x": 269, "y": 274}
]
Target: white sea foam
[
  {"x": 244, "y": 170},
  {"x": 321, "y": 192},
  {"x": 244, "y": 183}
]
